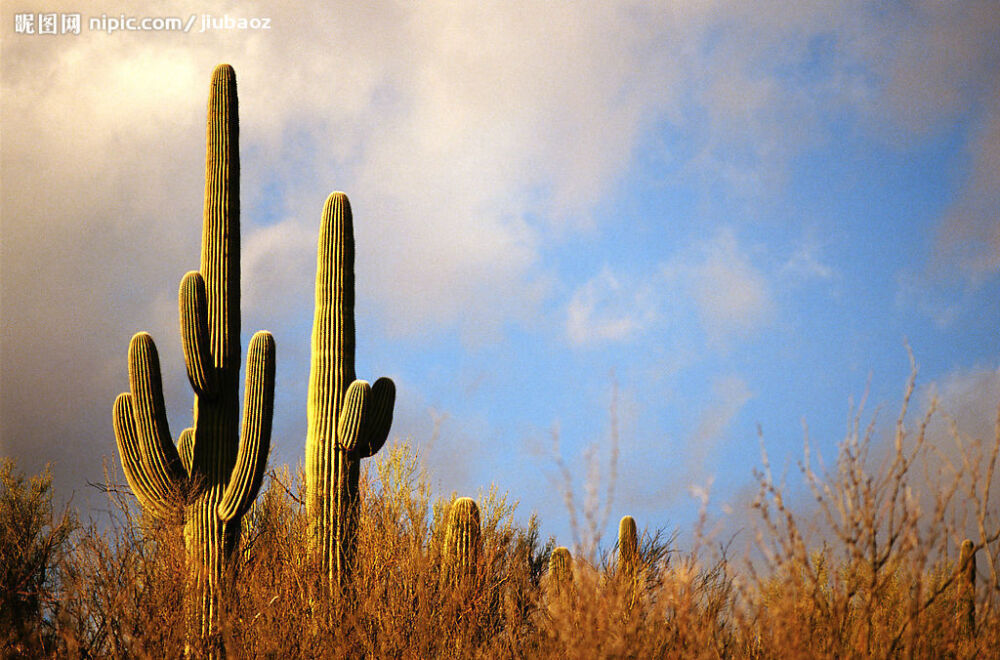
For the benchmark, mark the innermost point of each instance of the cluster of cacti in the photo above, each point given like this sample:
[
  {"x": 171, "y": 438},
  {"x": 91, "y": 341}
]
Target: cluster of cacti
[
  {"x": 462, "y": 540},
  {"x": 348, "y": 420},
  {"x": 212, "y": 476},
  {"x": 967, "y": 588}
]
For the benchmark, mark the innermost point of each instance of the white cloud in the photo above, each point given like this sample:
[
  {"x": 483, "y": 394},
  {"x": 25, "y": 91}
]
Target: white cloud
[
  {"x": 807, "y": 263},
  {"x": 969, "y": 234},
  {"x": 970, "y": 396},
  {"x": 931, "y": 62},
  {"x": 605, "y": 309},
  {"x": 729, "y": 395},
  {"x": 732, "y": 293},
  {"x": 278, "y": 275},
  {"x": 959, "y": 441}
]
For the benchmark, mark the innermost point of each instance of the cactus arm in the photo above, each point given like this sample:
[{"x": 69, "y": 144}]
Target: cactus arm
[
  {"x": 131, "y": 456},
  {"x": 185, "y": 447},
  {"x": 349, "y": 428},
  {"x": 160, "y": 460},
  {"x": 195, "y": 338},
  {"x": 258, "y": 407},
  {"x": 378, "y": 418},
  {"x": 353, "y": 416},
  {"x": 220, "y": 255}
]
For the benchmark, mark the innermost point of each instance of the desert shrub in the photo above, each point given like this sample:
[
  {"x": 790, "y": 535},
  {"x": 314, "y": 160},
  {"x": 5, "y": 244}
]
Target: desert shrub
[
  {"x": 884, "y": 582},
  {"x": 34, "y": 542},
  {"x": 868, "y": 568}
]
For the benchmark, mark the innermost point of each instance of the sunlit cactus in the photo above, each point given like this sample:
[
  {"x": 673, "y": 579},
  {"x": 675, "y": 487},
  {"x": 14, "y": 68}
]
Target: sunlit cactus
[
  {"x": 348, "y": 420},
  {"x": 561, "y": 568},
  {"x": 462, "y": 539},
  {"x": 628, "y": 548},
  {"x": 967, "y": 588},
  {"x": 211, "y": 477}
]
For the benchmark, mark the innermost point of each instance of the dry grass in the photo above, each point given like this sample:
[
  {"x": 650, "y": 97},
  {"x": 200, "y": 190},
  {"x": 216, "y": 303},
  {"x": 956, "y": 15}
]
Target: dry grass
[{"x": 870, "y": 569}]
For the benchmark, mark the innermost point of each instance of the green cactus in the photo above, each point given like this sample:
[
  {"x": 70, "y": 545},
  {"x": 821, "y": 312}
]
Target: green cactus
[
  {"x": 348, "y": 420},
  {"x": 561, "y": 568},
  {"x": 967, "y": 588},
  {"x": 212, "y": 476},
  {"x": 628, "y": 549},
  {"x": 462, "y": 540}
]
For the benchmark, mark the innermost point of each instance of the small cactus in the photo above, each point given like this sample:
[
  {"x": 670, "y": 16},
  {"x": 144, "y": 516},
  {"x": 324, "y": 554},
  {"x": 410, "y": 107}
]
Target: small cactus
[
  {"x": 561, "y": 565},
  {"x": 628, "y": 548},
  {"x": 348, "y": 419},
  {"x": 967, "y": 588},
  {"x": 561, "y": 569},
  {"x": 462, "y": 539}
]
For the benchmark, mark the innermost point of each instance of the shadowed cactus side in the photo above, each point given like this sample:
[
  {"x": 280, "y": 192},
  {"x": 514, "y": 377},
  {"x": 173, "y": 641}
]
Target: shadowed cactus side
[
  {"x": 967, "y": 589},
  {"x": 462, "y": 540},
  {"x": 348, "y": 419},
  {"x": 211, "y": 477}
]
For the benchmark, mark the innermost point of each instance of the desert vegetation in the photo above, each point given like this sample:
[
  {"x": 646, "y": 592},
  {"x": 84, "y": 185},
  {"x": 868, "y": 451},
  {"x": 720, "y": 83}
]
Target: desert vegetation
[
  {"x": 891, "y": 552},
  {"x": 872, "y": 574}
]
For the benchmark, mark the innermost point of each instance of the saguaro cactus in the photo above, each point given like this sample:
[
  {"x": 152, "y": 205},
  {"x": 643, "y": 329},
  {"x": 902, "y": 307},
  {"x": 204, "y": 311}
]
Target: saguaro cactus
[
  {"x": 561, "y": 568},
  {"x": 967, "y": 588},
  {"x": 212, "y": 476},
  {"x": 462, "y": 539},
  {"x": 628, "y": 549},
  {"x": 348, "y": 420}
]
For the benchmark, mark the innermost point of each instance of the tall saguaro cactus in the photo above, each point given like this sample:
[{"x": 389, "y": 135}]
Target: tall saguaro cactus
[
  {"x": 348, "y": 420},
  {"x": 212, "y": 476}
]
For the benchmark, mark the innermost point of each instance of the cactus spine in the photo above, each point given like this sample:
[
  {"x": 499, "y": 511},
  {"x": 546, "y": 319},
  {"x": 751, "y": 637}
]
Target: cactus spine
[
  {"x": 967, "y": 588},
  {"x": 348, "y": 420},
  {"x": 462, "y": 539},
  {"x": 213, "y": 474},
  {"x": 628, "y": 549}
]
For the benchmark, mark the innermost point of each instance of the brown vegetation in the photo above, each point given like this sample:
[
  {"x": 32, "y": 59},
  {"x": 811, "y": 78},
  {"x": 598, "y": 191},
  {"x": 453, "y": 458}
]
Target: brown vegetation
[{"x": 873, "y": 571}]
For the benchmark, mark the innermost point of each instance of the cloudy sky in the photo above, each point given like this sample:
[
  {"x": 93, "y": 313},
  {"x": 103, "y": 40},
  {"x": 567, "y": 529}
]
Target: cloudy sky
[{"x": 664, "y": 222}]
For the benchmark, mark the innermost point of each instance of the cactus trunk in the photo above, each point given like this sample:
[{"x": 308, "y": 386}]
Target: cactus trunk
[
  {"x": 348, "y": 420},
  {"x": 214, "y": 473},
  {"x": 967, "y": 589}
]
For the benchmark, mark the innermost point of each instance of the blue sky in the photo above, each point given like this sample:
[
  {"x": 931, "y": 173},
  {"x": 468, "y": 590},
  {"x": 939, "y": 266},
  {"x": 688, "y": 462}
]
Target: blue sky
[{"x": 720, "y": 214}]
